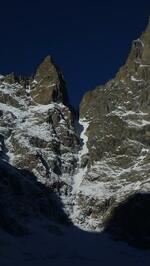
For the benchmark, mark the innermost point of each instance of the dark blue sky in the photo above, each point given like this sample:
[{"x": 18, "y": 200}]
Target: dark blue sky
[{"x": 89, "y": 40}]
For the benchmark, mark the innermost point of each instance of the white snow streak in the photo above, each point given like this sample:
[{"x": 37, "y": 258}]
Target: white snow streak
[
  {"x": 81, "y": 171},
  {"x": 136, "y": 80}
]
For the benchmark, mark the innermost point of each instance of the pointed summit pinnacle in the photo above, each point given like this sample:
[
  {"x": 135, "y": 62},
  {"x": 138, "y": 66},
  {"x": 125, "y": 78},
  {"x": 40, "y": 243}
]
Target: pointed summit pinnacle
[
  {"x": 46, "y": 68},
  {"x": 147, "y": 29},
  {"x": 48, "y": 60},
  {"x": 50, "y": 85}
]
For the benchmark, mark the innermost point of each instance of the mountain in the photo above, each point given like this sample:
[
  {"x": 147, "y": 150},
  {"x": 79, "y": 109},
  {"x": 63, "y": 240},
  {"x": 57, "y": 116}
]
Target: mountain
[
  {"x": 117, "y": 121},
  {"x": 86, "y": 177}
]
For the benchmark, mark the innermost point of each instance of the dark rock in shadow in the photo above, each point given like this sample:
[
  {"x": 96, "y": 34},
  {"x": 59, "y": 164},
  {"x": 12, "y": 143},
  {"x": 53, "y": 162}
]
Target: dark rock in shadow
[
  {"x": 32, "y": 215},
  {"x": 23, "y": 198},
  {"x": 3, "y": 152},
  {"x": 130, "y": 221},
  {"x": 25, "y": 202}
]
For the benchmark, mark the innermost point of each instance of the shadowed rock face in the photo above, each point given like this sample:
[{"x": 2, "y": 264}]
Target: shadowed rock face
[
  {"x": 23, "y": 198},
  {"x": 130, "y": 221}
]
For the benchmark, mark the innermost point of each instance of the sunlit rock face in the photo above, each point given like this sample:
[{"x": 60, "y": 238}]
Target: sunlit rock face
[
  {"x": 48, "y": 84},
  {"x": 117, "y": 116}
]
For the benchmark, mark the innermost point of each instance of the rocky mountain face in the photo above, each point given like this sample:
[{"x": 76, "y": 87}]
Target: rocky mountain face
[
  {"x": 92, "y": 164},
  {"x": 36, "y": 126},
  {"x": 117, "y": 157}
]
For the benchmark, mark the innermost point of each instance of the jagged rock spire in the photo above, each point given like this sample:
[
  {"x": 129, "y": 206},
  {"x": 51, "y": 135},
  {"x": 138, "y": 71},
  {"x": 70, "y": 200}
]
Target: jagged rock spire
[
  {"x": 138, "y": 62},
  {"x": 46, "y": 69},
  {"x": 48, "y": 84}
]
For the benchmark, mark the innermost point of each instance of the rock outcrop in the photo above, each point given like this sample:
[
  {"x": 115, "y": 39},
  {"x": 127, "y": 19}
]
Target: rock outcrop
[
  {"x": 117, "y": 136},
  {"x": 48, "y": 84}
]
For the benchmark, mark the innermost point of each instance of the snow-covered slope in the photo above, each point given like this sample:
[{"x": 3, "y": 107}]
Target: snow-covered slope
[{"x": 51, "y": 244}]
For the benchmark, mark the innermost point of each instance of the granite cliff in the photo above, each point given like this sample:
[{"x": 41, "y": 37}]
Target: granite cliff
[{"x": 117, "y": 119}]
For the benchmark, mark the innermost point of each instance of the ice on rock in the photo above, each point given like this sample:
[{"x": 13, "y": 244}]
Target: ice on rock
[
  {"x": 1, "y": 77},
  {"x": 84, "y": 150},
  {"x": 136, "y": 80}
]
